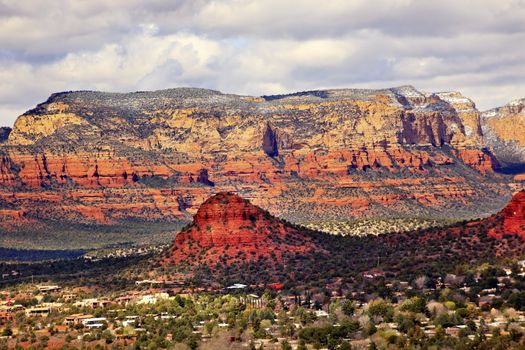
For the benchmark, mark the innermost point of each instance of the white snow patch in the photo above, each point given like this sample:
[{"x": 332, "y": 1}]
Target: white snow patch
[
  {"x": 517, "y": 102},
  {"x": 408, "y": 91},
  {"x": 454, "y": 97},
  {"x": 489, "y": 114}
]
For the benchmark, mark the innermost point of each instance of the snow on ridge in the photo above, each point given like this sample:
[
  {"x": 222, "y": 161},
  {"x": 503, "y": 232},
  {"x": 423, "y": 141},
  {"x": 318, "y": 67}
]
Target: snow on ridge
[
  {"x": 490, "y": 113},
  {"x": 517, "y": 102},
  {"x": 408, "y": 91},
  {"x": 454, "y": 97}
]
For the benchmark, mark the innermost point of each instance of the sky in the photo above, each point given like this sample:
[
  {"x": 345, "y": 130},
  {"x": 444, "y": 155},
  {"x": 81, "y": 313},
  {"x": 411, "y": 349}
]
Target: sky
[{"x": 260, "y": 47}]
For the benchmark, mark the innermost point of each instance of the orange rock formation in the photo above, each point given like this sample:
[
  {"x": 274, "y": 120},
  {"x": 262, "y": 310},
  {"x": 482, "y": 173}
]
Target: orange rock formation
[{"x": 100, "y": 157}]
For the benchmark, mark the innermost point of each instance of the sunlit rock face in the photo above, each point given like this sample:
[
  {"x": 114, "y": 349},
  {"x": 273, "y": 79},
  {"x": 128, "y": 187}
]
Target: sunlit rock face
[
  {"x": 504, "y": 133},
  {"x": 329, "y": 154}
]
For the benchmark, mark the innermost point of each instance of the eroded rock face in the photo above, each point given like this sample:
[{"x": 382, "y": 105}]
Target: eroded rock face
[
  {"x": 330, "y": 154},
  {"x": 230, "y": 227},
  {"x": 269, "y": 143},
  {"x": 504, "y": 133},
  {"x": 204, "y": 179}
]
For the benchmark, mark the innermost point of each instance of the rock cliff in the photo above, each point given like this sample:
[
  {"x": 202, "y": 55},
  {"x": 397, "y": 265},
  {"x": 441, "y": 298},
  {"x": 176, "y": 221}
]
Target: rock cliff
[
  {"x": 504, "y": 133},
  {"x": 107, "y": 157}
]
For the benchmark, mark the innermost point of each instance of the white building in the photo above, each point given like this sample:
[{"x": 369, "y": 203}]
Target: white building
[{"x": 95, "y": 322}]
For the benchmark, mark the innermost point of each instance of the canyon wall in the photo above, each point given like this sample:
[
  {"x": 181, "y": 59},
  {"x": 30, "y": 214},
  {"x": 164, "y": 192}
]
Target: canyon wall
[
  {"x": 335, "y": 154},
  {"x": 504, "y": 133}
]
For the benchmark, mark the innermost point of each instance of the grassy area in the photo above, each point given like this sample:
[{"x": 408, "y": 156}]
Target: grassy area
[{"x": 66, "y": 236}]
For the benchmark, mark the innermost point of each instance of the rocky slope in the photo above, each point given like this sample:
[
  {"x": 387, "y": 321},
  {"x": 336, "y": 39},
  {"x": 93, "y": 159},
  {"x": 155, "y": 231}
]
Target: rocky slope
[
  {"x": 499, "y": 235},
  {"x": 229, "y": 228},
  {"x": 491, "y": 239},
  {"x": 504, "y": 133},
  {"x": 88, "y": 157}
]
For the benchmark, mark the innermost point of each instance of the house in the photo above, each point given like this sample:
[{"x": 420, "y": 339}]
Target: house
[
  {"x": 488, "y": 291},
  {"x": 95, "y": 322},
  {"x": 43, "y": 310},
  {"x": 453, "y": 331},
  {"x": 375, "y": 273},
  {"x": 93, "y": 303},
  {"x": 76, "y": 319},
  {"x": 38, "y": 311},
  {"x": 252, "y": 300},
  {"x": 166, "y": 317},
  {"x": 69, "y": 297},
  {"x": 430, "y": 330},
  {"x": 237, "y": 286},
  {"x": 125, "y": 299},
  {"x": 159, "y": 283},
  {"x": 129, "y": 321},
  {"x": 48, "y": 288},
  {"x": 152, "y": 298}
]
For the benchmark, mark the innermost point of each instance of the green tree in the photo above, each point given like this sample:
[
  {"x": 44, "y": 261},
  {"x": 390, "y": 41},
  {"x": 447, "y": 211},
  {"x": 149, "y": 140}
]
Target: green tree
[
  {"x": 348, "y": 308},
  {"x": 380, "y": 308},
  {"x": 285, "y": 345},
  {"x": 302, "y": 345}
]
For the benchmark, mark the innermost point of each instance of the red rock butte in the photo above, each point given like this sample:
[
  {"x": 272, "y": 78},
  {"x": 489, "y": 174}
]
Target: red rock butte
[{"x": 228, "y": 226}]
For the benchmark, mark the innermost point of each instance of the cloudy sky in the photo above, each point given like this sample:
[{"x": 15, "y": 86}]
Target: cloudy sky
[{"x": 259, "y": 47}]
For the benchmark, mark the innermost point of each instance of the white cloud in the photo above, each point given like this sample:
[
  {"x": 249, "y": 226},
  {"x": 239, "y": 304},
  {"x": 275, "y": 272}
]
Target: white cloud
[{"x": 260, "y": 47}]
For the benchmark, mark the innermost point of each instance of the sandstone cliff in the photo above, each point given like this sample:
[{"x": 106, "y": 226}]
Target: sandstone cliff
[
  {"x": 504, "y": 133},
  {"x": 107, "y": 157}
]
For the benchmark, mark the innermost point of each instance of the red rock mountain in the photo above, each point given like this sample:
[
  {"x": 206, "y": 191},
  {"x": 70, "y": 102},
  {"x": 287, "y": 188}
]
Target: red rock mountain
[
  {"x": 92, "y": 157},
  {"x": 229, "y": 227}
]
